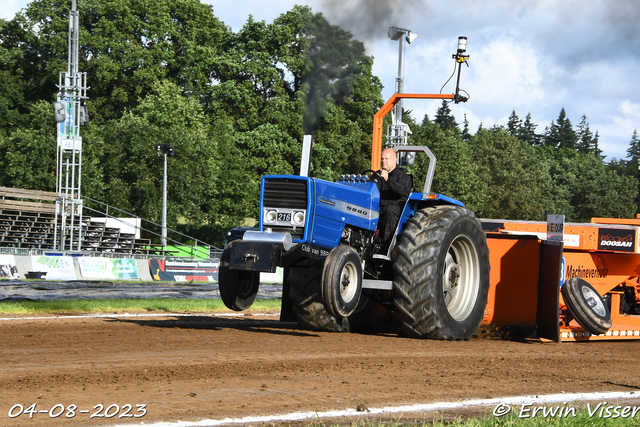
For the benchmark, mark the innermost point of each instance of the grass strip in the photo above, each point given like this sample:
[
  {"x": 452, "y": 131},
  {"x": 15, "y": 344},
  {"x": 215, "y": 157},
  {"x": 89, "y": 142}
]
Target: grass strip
[
  {"x": 563, "y": 418},
  {"x": 129, "y": 305}
]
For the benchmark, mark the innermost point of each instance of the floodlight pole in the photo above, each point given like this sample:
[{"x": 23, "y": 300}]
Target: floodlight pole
[
  {"x": 397, "y": 132},
  {"x": 166, "y": 150},
  {"x": 399, "y": 88},
  {"x": 163, "y": 238}
]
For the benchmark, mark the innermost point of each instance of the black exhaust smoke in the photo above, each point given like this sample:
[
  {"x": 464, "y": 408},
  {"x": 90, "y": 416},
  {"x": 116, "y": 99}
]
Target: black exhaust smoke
[
  {"x": 333, "y": 61},
  {"x": 370, "y": 19}
]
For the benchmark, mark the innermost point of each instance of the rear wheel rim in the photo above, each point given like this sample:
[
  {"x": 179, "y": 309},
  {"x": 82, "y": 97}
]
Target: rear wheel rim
[{"x": 461, "y": 278}]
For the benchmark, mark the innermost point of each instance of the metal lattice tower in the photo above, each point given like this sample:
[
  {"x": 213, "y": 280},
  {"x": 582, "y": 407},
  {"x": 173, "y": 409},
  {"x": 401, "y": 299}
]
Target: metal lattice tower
[{"x": 72, "y": 86}]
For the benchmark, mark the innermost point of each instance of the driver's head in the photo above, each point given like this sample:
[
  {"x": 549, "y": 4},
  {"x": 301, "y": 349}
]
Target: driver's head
[{"x": 389, "y": 160}]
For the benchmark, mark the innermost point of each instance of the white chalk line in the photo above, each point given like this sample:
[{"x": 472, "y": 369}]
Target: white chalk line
[
  {"x": 388, "y": 410},
  {"x": 89, "y": 316}
]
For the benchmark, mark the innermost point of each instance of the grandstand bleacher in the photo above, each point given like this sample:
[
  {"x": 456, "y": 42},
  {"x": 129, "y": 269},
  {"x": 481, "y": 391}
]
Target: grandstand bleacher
[{"x": 27, "y": 220}]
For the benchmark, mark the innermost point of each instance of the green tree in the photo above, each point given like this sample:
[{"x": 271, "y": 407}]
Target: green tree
[
  {"x": 528, "y": 132},
  {"x": 633, "y": 152},
  {"x": 444, "y": 117},
  {"x": 596, "y": 149},
  {"x": 514, "y": 124},
  {"x": 599, "y": 192},
  {"x": 253, "y": 90},
  {"x": 132, "y": 176},
  {"x": 303, "y": 75},
  {"x": 585, "y": 137},
  {"x": 558, "y": 181},
  {"x": 466, "y": 135},
  {"x": 342, "y": 147},
  {"x": 560, "y": 133},
  {"x": 28, "y": 153},
  {"x": 456, "y": 172},
  {"x": 12, "y": 100},
  {"x": 512, "y": 176},
  {"x": 125, "y": 47}
]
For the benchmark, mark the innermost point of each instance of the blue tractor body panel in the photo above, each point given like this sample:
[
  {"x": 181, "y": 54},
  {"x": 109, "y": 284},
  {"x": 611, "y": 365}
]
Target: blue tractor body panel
[{"x": 340, "y": 204}]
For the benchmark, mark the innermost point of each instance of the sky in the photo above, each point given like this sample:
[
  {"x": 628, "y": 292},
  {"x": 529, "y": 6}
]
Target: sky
[{"x": 534, "y": 56}]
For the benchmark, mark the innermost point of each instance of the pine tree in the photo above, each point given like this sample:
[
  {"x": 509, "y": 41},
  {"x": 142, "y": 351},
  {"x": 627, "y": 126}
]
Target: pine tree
[
  {"x": 633, "y": 152},
  {"x": 585, "y": 137},
  {"x": 465, "y": 132},
  {"x": 514, "y": 124},
  {"x": 596, "y": 150},
  {"x": 445, "y": 119},
  {"x": 561, "y": 134},
  {"x": 528, "y": 132}
]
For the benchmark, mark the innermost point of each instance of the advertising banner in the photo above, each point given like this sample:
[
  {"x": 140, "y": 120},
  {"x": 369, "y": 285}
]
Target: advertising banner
[
  {"x": 8, "y": 268},
  {"x": 184, "y": 271},
  {"x": 66, "y": 130},
  {"x": 272, "y": 277},
  {"x": 56, "y": 267},
  {"x": 108, "y": 268},
  {"x": 617, "y": 239}
]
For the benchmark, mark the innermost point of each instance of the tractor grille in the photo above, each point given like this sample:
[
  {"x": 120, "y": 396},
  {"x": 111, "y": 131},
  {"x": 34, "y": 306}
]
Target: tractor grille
[{"x": 285, "y": 193}]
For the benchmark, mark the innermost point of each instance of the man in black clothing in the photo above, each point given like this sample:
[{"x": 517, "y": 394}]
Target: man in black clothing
[{"x": 394, "y": 191}]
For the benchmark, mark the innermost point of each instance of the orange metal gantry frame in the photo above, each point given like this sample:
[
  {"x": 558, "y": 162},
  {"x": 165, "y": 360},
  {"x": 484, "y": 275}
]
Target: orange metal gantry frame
[{"x": 376, "y": 143}]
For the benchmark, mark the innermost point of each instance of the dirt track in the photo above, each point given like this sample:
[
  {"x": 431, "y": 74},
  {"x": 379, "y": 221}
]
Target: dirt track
[{"x": 190, "y": 368}]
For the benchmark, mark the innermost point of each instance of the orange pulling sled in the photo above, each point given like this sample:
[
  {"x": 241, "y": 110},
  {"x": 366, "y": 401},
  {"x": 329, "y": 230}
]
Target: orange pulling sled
[{"x": 528, "y": 271}]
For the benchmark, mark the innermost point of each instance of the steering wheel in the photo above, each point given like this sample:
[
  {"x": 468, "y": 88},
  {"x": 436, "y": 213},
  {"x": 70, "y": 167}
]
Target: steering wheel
[{"x": 376, "y": 177}]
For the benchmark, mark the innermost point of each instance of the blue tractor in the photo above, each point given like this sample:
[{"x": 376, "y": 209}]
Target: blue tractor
[{"x": 433, "y": 279}]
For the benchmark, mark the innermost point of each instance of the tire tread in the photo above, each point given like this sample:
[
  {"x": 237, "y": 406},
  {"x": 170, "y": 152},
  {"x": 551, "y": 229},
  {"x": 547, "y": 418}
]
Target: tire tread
[{"x": 419, "y": 246}]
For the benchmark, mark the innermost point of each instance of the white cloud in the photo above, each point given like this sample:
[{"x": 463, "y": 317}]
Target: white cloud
[
  {"x": 618, "y": 130},
  {"x": 631, "y": 111},
  {"x": 509, "y": 74},
  {"x": 9, "y": 8}
]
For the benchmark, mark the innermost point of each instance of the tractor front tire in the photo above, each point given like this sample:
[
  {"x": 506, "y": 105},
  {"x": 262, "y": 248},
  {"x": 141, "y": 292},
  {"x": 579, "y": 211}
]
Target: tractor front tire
[
  {"x": 238, "y": 288},
  {"x": 441, "y": 280},
  {"x": 341, "y": 281}
]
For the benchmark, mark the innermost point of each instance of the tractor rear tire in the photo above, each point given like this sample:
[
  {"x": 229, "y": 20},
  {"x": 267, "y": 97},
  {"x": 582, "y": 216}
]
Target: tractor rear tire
[
  {"x": 287, "y": 308},
  {"x": 238, "y": 288},
  {"x": 441, "y": 281},
  {"x": 586, "y": 306},
  {"x": 305, "y": 293}
]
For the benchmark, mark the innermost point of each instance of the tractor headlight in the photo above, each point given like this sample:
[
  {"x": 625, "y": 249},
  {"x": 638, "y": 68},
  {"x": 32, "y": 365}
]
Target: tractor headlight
[
  {"x": 298, "y": 218},
  {"x": 270, "y": 216}
]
